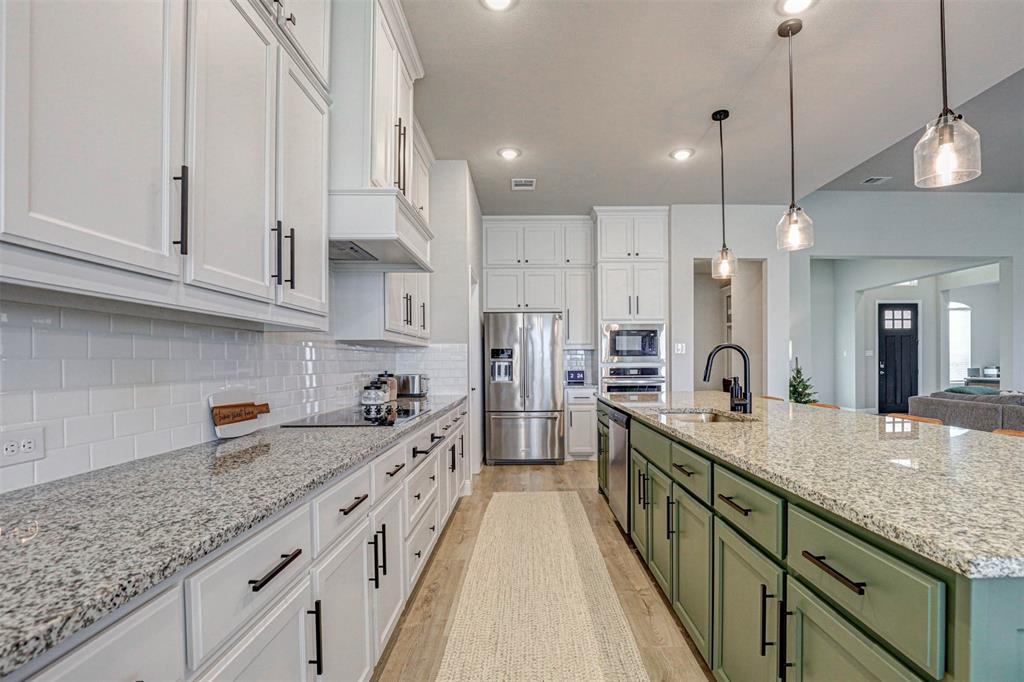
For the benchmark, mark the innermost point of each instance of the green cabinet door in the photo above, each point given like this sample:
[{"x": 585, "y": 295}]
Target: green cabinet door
[
  {"x": 659, "y": 508},
  {"x": 822, "y": 646},
  {"x": 638, "y": 501},
  {"x": 691, "y": 567},
  {"x": 747, "y": 590}
]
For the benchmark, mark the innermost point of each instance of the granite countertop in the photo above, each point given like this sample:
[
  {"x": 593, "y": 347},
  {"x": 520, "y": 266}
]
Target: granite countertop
[
  {"x": 952, "y": 495},
  {"x": 73, "y": 550}
]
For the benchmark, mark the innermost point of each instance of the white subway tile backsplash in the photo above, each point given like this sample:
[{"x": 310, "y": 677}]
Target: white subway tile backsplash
[
  {"x": 167, "y": 371},
  {"x": 62, "y": 462},
  {"x": 169, "y": 416},
  {"x": 16, "y": 342},
  {"x": 152, "y": 443},
  {"x": 20, "y": 374},
  {"x": 17, "y": 476},
  {"x": 84, "y": 320},
  {"x": 15, "y": 408},
  {"x": 133, "y": 422},
  {"x": 151, "y": 347},
  {"x": 110, "y": 345},
  {"x": 114, "y": 399},
  {"x": 88, "y": 429},
  {"x": 28, "y": 315},
  {"x": 109, "y": 452},
  {"x": 131, "y": 371},
  {"x": 87, "y": 372},
  {"x": 61, "y": 404},
  {"x": 129, "y": 324},
  {"x": 151, "y": 396},
  {"x": 184, "y": 436},
  {"x": 59, "y": 343},
  {"x": 185, "y": 393}
]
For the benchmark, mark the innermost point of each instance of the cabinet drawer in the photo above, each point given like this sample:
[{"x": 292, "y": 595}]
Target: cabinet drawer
[
  {"x": 419, "y": 487},
  {"x": 340, "y": 509},
  {"x": 751, "y": 508},
  {"x": 903, "y": 605},
  {"x": 225, "y": 594},
  {"x": 156, "y": 630},
  {"x": 691, "y": 471},
  {"x": 387, "y": 471},
  {"x": 652, "y": 445},
  {"x": 421, "y": 541},
  {"x": 424, "y": 443}
]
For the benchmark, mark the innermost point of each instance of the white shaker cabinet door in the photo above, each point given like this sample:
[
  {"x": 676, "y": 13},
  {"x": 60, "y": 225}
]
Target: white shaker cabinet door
[
  {"x": 93, "y": 130},
  {"x": 616, "y": 281},
  {"x": 421, "y": 186},
  {"x": 384, "y": 133},
  {"x": 503, "y": 289},
  {"x": 233, "y": 138},
  {"x": 405, "y": 142},
  {"x": 149, "y": 644},
  {"x": 387, "y": 567},
  {"x": 280, "y": 646},
  {"x": 650, "y": 237},
  {"x": 579, "y": 245},
  {"x": 542, "y": 289},
  {"x": 307, "y": 23},
  {"x": 341, "y": 582},
  {"x": 581, "y": 436},
  {"x": 503, "y": 246},
  {"x": 542, "y": 245},
  {"x": 615, "y": 237},
  {"x": 396, "y": 303},
  {"x": 650, "y": 286},
  {"x": 579, "y": 308},
  {"x": 302, "y": 191}
]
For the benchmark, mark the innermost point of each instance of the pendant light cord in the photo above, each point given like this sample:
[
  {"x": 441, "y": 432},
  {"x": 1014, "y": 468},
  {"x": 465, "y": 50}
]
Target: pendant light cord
[
  {"x": 942, "y": 50},
  {"x": 721, "y": 149},
  {"x": 792, "y": 133}
]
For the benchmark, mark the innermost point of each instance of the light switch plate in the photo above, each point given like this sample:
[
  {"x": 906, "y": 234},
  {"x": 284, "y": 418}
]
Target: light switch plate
[
  {"x": 869, "y": 353},
  {"x": 24, "y": 445},
  {"x": 680, "y": 349}
]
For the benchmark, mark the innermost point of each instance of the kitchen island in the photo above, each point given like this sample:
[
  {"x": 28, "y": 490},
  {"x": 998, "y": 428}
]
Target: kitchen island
[
  {"x": 80, "y": 553},
  {"x": 902, "y": 542}
]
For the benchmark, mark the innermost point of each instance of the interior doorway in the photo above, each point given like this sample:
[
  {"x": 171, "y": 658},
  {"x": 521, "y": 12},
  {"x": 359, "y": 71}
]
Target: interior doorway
[
  {"x": 897, "y": 356},
  {"x": 476, "y": 401}
]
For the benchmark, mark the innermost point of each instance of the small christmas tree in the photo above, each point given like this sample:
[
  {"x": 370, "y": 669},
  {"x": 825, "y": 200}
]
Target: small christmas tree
[{"x": 800, "y": 388}]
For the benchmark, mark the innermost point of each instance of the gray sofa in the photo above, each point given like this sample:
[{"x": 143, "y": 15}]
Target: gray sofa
[{"x": 979, "y": 412}]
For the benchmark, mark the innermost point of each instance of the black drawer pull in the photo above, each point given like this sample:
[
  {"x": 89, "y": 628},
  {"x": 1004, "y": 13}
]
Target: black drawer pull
[
  {"x": 291, "y": 257},
  {"x": 728, "y": 500},
  {"x": 279, "y": 276},
  {"x": 359, "y": 500},
  {"x": 376, "y": 562},
  {"x": 258, "y": 585},
  {"x": 419, "y": 554},
  {"x": 765, "y": 596},
  {"x": 417, "y": 496},
  {"x": 433, "y": 528},
  {"x": 436, "y": 440},
  {"x": 433, "y": 477},
  {"x": 668, "y": 517},
  {"x": 393, "y": 472},
  {"x": 317, "y": 613},
  {"x": 182, "y": 239},
  {"x": 819, "y": 561},
  {"x": 384, "y": 548},
  {"x": 683, "y": 470}
]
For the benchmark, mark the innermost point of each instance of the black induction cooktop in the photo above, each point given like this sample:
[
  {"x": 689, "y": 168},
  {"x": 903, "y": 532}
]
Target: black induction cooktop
[{"x": 353, "y": 416}]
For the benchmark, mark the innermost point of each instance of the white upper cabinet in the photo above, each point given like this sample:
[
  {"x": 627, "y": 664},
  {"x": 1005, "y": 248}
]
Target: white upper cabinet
[
  {"x": 307, "y": 24},
  {"x": 650, "y": 292},
  {"x": 616, "y": 291},
  {"x": 503, "y": 245},
  {"x": 542, "y": 245},
  {"x": 384, "y": 126},
  {"x": 421, "y": 184},
  {"x": 93, "y": 130},
  {"x": 233, "y": 149},
  {"x": 542, "y": 289},
  {"x": 579, "y": 308},
  {"x": 423, "y": 313},
  {"x": 503, "y": 290},
  {"x": 302, "y": 191},
  {"x": 405, "y": 128},
  {"x": 632, "y": 234},
  {"x": 579, "y": 244}
]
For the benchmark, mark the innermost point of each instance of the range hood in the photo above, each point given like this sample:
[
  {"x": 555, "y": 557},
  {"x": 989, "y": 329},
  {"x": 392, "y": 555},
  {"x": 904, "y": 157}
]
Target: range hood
[{"x": 378, "y": 229}]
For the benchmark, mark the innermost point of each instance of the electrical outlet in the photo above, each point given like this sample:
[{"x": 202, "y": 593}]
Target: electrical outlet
[{"x": 24, "y": 445}]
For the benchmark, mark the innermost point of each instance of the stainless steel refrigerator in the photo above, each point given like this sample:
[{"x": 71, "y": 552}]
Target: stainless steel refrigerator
[{"x": 524, "y": 397}]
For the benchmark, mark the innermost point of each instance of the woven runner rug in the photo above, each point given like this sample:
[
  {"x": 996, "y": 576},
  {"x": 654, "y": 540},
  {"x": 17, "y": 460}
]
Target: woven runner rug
[{"x": 537, "y": 602}]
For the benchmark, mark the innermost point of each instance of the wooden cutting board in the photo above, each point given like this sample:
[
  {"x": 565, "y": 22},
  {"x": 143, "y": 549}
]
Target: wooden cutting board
[{"x": 235, "y": 412}]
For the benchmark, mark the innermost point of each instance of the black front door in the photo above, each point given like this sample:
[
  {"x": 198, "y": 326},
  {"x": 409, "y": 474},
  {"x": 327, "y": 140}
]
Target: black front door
[{"x": 897, "y": 355}]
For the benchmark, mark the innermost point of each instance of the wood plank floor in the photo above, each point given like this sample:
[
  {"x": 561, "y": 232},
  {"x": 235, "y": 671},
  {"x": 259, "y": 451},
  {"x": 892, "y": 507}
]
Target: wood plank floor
[{"x": 418, "y": 644}]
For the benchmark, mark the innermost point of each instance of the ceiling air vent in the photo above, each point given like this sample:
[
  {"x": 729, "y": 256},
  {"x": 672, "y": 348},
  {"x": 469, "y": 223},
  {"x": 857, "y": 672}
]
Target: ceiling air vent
[
  {"x": 524, "y": 184},
  {"x": 876, "y": 180}
]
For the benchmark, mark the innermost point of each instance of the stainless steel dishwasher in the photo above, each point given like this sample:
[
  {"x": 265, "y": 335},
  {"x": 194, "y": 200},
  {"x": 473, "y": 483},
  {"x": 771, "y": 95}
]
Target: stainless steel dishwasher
[{"x": 618, "y": 466}]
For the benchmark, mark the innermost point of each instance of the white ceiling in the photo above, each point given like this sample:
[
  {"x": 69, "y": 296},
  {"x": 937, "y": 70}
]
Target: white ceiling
[
  {"x": 997, "y": 114},
  {"x": 596, "y": 93}
]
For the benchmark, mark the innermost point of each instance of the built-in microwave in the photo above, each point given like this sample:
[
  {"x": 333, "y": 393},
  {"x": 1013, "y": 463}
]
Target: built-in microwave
[{"x": 633, "y": 343}]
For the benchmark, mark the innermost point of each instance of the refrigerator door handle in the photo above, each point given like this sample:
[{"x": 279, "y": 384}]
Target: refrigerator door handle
[
  {"x": 522, "y": 416},
  {"x": 526, "y": 361}
]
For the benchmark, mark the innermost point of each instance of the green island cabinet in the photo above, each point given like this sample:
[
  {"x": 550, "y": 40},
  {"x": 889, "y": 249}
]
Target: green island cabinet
[{"x": 770, "y": 587}]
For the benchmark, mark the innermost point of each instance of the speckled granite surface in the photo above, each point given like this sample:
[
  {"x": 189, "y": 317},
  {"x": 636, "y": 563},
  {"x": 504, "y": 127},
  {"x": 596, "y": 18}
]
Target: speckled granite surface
[
  {"x": 951, "y": 495},
  {"x": 104, "y": 537}
]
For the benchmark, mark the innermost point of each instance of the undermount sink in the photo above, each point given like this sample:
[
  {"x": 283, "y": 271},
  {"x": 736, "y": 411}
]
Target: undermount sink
[{"x": 702, "y": 417}]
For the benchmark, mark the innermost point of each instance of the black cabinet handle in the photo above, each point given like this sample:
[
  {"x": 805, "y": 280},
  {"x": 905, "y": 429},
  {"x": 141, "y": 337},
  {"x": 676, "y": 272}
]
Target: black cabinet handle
[
  {"x": 398, "y": 154},
  {"x": 629, "y": 302},
  {"x": 782, "y": 639},
  {"x": 317, "y": 614},
  {"x": 279, "y": 275},
  {"x": 291, "y": 18},
  {"x": 419, "y": 554},
  {"x": 668, "y": 517},
  {"x": 765, "y": 596},
  {"x": 728, "y": 499},
  {"x": 405, "y": 161},
  {"x": 291, "y": 257},
  {"x": 434, "y": 437},
  {"x": 452, "y": 467},
  {"x": 260, "y": 583},
  {"x": 433, "y": 477},
  {"x": 398, "y": 467},
  {"x": 638, "y": 305},
  {"x": 640, "y": 489},
  {"x": 462, "y": 445},
  {"x": 819, "y": 561},
  {"x": 182, "y": 239},
  {"x": 423, "y": 320},
  {"x": 417, "y": 496},
  {"x": 384, "y": 548},
  {"x": 683, "y": 470},
  {"x": 376, "y": 563},
  {"x": 349, "y": 509},
  {"x": 436, "y": 441},
  {"x": 433, "y": 528}
]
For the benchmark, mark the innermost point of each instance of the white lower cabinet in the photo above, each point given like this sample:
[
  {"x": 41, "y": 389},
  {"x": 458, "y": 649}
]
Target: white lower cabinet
[
  {"x": 341, "y": 583},
  {"x": 147, "y": 645},
  {"x": 280, "y": 646},
  {"x": 386, "y": 567},
  {"x": 581, "y": 415},
  {"x": 451, "y": 472},
  {"x": 421, "y": 540}
]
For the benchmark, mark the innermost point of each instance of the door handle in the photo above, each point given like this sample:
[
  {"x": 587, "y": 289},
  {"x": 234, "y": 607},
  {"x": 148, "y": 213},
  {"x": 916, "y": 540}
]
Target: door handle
[
  {"x": 317, "y": 614},
  {"x": 629, "y": 302},
  {"x": 668, "y": 517},
  {"x": 638, "y": 304},
  {"x": 782, "y": 637},
  {"x": 260, "y": 583},
  {"x": 384, "y": 548},
  {"x": 398, "y": 153},
  {"x": 765, "y": 596},
  {"x": 280, "y": 254},
  {"x": 376, "y": 562},
  {"x": 291, "y": 257},
  {"x": 182, "y": 239},
  {"x": 423, "y": 322}
]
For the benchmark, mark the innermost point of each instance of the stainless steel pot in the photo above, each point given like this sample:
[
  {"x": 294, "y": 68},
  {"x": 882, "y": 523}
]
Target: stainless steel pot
[{"x": 412, "y": 385}]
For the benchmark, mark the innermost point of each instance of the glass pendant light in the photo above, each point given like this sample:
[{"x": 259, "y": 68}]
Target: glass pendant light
[
  {"x": 950, "y": 150},
  {"x": 723, "y": 265},
  {"x": 795, "y": 230}
]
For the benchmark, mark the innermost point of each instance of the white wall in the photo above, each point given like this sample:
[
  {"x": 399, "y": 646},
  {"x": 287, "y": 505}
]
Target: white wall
[
  {"x": 696, "y": 233},
  {"x": 709, "y": 330},
  {"x": 822, "y": 321},
  {"x": 449, "y": 251},
  {"x": 984, "y": 302},
  {"x": 748, "y": 311}
]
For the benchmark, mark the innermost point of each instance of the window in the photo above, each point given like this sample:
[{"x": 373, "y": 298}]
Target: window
[
  {"x": 959, "y": 341},
  {"x": 898, "y": 319}
]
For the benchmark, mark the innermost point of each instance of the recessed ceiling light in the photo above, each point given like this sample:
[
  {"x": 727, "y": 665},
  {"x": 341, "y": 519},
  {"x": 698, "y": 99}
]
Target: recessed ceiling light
[
  {"x": 682, "y": 154},
  {"x": 498, "y": 5},
  {"x": 795, "y": 6},
  {"x": 509, "y": 153}
]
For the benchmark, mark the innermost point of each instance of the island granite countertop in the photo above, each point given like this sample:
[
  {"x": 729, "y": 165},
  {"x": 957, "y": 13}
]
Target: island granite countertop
[
  {"x": 73, "y": 550},
  {"x": 952, "y": 495}
]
